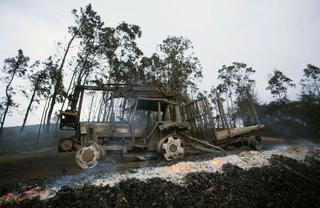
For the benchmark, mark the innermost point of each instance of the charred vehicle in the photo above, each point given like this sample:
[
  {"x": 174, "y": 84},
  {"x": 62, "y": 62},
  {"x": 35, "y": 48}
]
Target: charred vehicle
[{"x": 140, "y": 122}]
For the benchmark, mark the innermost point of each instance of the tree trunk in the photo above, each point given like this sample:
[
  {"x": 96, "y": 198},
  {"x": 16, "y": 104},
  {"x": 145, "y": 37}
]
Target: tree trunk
[
  {"x": 41, "y": 122},
  {"x": 59, "y": 81},
  {"x": 317, "y": 88},
  {"x": 228, "y": 113},
  {"x": 76, "y": 93},
  {"x": 52, "y": 104},
  {"x": 3, "y": 119},
  {"x": 8, "y": 103},
  {"x": 232, "y": 112},
  {"x": 30, "y": 104},
  {"x": 46, "y": 112},
  {"x": 232, "y": 109},
  {"x": 68, "y": 90}
]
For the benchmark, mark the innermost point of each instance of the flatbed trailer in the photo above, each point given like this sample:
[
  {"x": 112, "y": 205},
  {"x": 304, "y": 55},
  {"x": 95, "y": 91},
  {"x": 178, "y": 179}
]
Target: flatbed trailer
[{"x": 198, "y": 116}]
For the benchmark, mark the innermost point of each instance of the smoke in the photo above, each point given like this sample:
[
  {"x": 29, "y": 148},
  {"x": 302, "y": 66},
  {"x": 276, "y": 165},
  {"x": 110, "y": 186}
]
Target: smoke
[
  {"x": 106, "y": 166},
  {"x": 14, "y": 141},
  {"x": 270, "y": 143},
  {"x": 78, "y": 179}
]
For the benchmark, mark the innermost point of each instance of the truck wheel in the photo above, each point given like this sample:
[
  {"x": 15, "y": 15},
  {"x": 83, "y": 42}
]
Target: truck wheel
[
  {"x": 88, "y": 154},
  {"x": 171, "y": 147},
  {"x": 65, "y": 145}
]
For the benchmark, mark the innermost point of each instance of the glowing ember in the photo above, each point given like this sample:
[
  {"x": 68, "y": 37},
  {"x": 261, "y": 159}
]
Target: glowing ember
[
  {"x": 19, "y": 201},
  {"x": 180, "y": 168},
  {"x": 8, "y": 197},
  {"x": 18, "y": 198},
  {"x": 217, "y": 162},
  {"x": 42, "y": 195},
  {"x": 29, "y": 192}
]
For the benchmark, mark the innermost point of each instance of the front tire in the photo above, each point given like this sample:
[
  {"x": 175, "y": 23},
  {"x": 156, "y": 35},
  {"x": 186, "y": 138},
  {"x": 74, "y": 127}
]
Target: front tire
[
  {"x": 171, "y": 147},
  {"x": 88, "y": 154}
]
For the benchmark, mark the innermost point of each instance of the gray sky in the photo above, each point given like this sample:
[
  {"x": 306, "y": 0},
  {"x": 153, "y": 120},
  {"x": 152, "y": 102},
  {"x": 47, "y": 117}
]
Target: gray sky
[{"x": 265, "y": 34}]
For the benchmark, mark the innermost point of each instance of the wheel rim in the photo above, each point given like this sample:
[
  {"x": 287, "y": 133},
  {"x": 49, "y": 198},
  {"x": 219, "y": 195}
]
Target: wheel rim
[
  {"x": 172, "y": 147},
  {"x": 66, "y": 145},
  {"x": 87, "y": 155}
]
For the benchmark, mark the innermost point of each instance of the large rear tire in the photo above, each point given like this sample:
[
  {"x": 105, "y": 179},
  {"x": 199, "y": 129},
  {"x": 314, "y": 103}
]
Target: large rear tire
[{"x": 88, "y": 154}]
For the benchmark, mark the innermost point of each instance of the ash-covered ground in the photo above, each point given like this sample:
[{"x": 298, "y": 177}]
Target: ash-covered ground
[{"x": 283, "y": 177}]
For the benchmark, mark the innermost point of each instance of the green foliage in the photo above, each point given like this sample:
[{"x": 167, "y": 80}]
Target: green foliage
[
  {"x": 85, "y": 22},
  {"x": 310, "y": 80},
  {"x": 310, "y": 113},
  {"x": 236, "y": 84},
  {"x": 174, "y": 67},
  {"x": 87, "y": 29},
  {"x": 13, "y": 67},
  {"x": 293, "y": 119},
  {"x": 236, "y": 77},
  {"x": 40, "y": 80},
  {"x": 55, "y": 76},
  {"x": 16, "y": 66},
  {"x": 302, "y": 122},
  {"x": 124, "y": 55},
  {"x": 279, "y": 84}
]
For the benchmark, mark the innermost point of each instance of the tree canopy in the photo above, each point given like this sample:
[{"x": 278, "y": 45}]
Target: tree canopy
[
  {"x": 174, "y": 67},
  {"x": 279, "y": 84}
]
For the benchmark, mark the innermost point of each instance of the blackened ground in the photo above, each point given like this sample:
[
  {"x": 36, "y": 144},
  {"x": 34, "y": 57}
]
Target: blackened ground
[
  {"x": 285, "y": 183},
  {"x": 35, "y": 168}
]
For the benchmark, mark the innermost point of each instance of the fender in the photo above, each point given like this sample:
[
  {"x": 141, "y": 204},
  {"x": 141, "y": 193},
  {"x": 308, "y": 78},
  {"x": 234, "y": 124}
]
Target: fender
[{"x": 165, "y": 125}]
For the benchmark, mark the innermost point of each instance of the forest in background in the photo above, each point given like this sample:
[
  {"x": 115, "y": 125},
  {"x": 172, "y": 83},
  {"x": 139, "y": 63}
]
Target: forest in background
[{"x": 96, "y": 54}]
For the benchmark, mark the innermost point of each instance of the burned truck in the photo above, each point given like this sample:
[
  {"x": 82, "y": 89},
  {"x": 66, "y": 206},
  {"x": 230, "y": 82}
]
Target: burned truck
[{"x": 140, "y": 122}]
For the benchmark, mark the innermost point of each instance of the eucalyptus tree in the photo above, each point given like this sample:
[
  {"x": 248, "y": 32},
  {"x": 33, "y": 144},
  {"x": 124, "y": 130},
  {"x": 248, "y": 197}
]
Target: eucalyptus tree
[
  {"x": 215, "y": 94},
  {"x": 244, "y": 91},
  {"x": 279, "y": 84},
  {"x": 122, "y": 53},
  {"x": 13, "y": 67},
  {"x": 310, "y": 80},
  {"x": 90, "y": 47},
  {"x": 174, "y": 67},
  {"x": 89, "y": 50},
  {"x": 217, "y": 101},
  {"x": 57, "y": 92},
  {"x": 39, "y": 79},
  {"x": 114, "y": 46},
  {"x": 237, "y": 85},
  {"x": 242, "y": 76},
  {"x": 310, "y": 99},
  {"x": 82, "y": 27},
  {"x": 226, "y": 75}
]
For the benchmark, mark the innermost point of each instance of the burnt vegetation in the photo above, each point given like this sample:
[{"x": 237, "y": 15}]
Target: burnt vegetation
[{"x": 285, "y": 183}]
